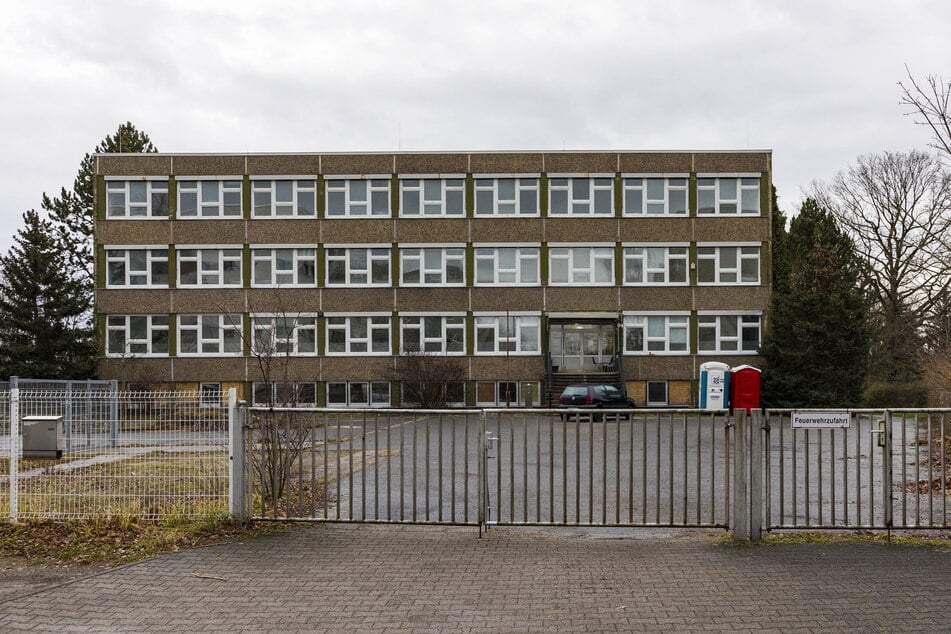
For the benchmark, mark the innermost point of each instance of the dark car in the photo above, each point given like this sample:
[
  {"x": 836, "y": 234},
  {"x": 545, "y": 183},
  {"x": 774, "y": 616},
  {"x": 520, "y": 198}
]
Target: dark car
[{"x": 593, "y": 396}]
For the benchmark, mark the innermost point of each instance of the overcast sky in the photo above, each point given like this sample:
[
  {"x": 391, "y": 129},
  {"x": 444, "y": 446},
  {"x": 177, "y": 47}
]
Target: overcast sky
[{"x": 816, "y": 82}]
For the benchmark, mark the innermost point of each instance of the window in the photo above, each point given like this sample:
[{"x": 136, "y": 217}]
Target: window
[
  {"x": 209, "y": 334},
  {"x": 137, "y": 267},
  {"x": 209, "y": 267},
  {"x": 358, "y": 394},
  {"x": 284, "y": 198},
  {"x": 284, "y": 335},
  {"x": 655, "y": 265},
  {"x": 358, "y": 335},
  {"x": 508, "y": 334},
  {"x": 506, "y": 266},
  {"x": 285, "y": 394},
  {"x": 581, "y": 265},
  {"x": 432, "y": 197},
  {"x": 137, "y": 199},
  {"x": 444, "y": 266},
  {"x": 357, "y": 197},
  {"x": 209, "y": 199},
  {"x": 728, "y": 333},
  {"x": 507, "y": 393},
  {"x": 655, "y": 196},
  {"x": 728, "y": 196},
  {"x": 284, "y": 266},
  {"x": 506, "y": 196},
  {"x": 656, "y": 393},
  {"x": 144, "y": 335},
  {"x": 209, "y": 395},
  {"x": 581, "y": 196},
  {"x": 656, "y": 334},
  {"x": 358, "y": 266},
  {"x": 433, "y": 334},
  {"x": 728, "y": 264},
  {"x": 453, "y": 393}
]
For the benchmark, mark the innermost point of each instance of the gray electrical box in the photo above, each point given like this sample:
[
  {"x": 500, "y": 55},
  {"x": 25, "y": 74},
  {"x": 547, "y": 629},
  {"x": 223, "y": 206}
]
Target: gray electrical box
[{"x": 42, "y": 436}]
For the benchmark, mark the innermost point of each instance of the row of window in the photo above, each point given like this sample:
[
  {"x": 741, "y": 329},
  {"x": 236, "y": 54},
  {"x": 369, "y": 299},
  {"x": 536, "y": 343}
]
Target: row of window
[
  {"x": 641, "y": 195},
  {"x": 369, "y": 266},
  {"x": 495, "y": 334}
]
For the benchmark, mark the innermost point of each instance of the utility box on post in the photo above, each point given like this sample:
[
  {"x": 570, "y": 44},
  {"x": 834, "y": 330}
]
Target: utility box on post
[
  {"x": 43, "y": 437},
  {"x": 745, "y": 388},
  {"x": 714, "y": 386}
]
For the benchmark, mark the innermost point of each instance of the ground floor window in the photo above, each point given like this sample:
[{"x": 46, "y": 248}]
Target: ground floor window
[
  {"x": 209, "y": 395},
  {"x": 358, "y": 394},
  {"x": 452, "y": 394},
  {"x": 508, "y": 393},
  {"x": 656, "y": 393},
  {"x": 285, "y": 394}
]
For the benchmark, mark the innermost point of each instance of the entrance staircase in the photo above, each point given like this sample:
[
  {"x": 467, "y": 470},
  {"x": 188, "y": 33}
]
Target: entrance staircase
[{"x": 559, "y": 380}]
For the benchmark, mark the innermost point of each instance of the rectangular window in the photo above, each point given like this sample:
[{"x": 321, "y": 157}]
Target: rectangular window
[
  {"x": 508, "y": 393},
  {"x": 568, "y": 266},
  {"x": 209, "y": 395},
  {"x": 209, "y": 199},
  {"x": 209, "y": 267},
  {"x": 656, "y": 393},
  {"x": 443, "y": 266},
  {"x": 283, "y": 266},
  {"x": 728, "y": 196},
  {"x": 656, "y": 334},
  {"x": 581, "y": 196},
  {"x": 739, "y": 334},
  {"x": 136, "y": 335},
  {"x": 432, "y": 197},
  {"x": 506, "y": 266},
  {"x": 453, "y": 394},
  {"x": 285, "y": 394},
  {"x": 368, "y": 335},
  {"x": 284, "y": 335},
  {"x": 649, "y": 265},
  {"x": 358, "y": 266},
  {"x": 506, "y": 196},
  {"x": 508, "y": 334},
  {"x": 358, "y": 197},
  {"x": 210, "y": 335},
  {"x": 358, "y": 394},
  {"x": 284, "y": 198},
  {"x": 432, "y": 334},
  {"x": 655, "y": 196},
  {"x": 137, "y": 267},
  {"x": 137, "y": 199},
  {"x": 728, "y": 264}
]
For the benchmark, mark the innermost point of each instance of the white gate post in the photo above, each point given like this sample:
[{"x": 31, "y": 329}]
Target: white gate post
[
  {"x": 236, "y": 448},
  {"x": 757, "y": 429},
  {"x": 741, "y": 509},
  {"x": 15, "y": 443}
]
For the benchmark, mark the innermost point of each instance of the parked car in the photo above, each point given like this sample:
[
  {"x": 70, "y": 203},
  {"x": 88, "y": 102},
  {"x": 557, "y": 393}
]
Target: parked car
[{"x": 593, "y": 396}]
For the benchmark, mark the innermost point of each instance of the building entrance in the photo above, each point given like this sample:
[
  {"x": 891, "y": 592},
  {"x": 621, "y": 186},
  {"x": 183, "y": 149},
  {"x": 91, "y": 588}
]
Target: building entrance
[{"x": 582, "y": 347}]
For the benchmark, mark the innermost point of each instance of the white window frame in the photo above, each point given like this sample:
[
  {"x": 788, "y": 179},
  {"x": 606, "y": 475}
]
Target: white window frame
[
  {"x": 301, "y": 255},
  {"x": 345, "y": 322},
  {"x": 282, "y": 386},
  {"x": 154, "y": 326},
  {"x": 670, "y": 320},
  {"x": 226, "y": 255},
  {"x": 224, "y": 323},
  {"x": 638, "y": 185},
  {"x": 715, "y": 320},
  {"x": 139, "y": 210},
  {"x": 744, "y": 183},
  {"x": 433, "y": 344},
  {"x": 303, "y": 190},
  {"x": 647, "y": 391},
  {"x": 375, "y": 184},
  {"x": 372, "y": 389},
  {"x": 493, "y": 321},
  {"x": 374, "y": 253},
  {"x": 631, "y": 254},
  {"x": 283, "y": 334},
  {"x": 576, "y": 274},
  {"x": 527, "y": 258},
  {"x": 515, "y": 400},
  {"x": 489, "y": 185},
  {"x": 122, "y": 255},
  {"x": 720, "y": 271},
  {"x": 209, "y": 395},
  {"x": 449, "y": 184},
  {"x": 226, "y": 187},
  {"x": 559, "y": 184},
  {"x": 419, "y": 252}
]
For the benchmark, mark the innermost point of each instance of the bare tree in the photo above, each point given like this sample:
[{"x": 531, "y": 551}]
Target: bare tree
[
  {"x": 897, "y": 209},
  {"x": 930, "y": 103},
  {"x": 426, "y": 376}
]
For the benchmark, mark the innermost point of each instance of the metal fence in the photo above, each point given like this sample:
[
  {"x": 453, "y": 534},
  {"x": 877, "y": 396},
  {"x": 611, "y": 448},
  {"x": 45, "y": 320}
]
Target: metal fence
[{"x": 144, "y": 454}]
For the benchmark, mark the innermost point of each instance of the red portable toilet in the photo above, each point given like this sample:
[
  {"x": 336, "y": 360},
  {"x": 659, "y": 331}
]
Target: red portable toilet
[{"x": 744, "y": 388}]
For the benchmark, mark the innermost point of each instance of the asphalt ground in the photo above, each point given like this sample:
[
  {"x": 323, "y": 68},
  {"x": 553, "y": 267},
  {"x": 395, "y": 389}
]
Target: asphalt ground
[{"x": 388, "y": 578}]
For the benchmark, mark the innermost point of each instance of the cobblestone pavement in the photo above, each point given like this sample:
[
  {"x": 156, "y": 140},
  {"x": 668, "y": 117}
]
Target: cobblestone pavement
[{"x": 445, "y": 579}]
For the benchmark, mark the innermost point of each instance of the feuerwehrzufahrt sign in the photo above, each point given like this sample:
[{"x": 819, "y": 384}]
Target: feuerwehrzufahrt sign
[{"x": 821, "y": 420}]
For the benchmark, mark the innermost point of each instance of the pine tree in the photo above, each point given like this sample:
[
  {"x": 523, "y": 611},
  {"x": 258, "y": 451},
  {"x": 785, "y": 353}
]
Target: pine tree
[
  {"x": 816, "y": 351},
  {"x": 43, "y": 312},
  {"x": 780, "y": 249}
]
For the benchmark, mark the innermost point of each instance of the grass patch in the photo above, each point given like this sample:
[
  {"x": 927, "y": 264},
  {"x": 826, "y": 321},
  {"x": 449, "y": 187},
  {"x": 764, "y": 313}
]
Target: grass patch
[{"x": 843, "y": 537}]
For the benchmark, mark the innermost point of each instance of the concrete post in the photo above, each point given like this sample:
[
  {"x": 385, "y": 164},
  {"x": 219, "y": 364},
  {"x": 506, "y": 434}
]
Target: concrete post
[
  {"x": 756, "y": 475},
  {"x": 237, "y": 505},
  {"x": 741, "y": 509}
]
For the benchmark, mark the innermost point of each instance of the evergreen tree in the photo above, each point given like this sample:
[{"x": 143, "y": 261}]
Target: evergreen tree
[
  {"x": 42, "y": 311},
  {"x": 817, "y": 347},
  {"x": 780, "y": 249}
]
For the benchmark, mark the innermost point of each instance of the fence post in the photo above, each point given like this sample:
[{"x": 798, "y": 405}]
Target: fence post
[
  {"x": 236, "y": 448},
  {"x": 114, "y": 409},
  {"x": 483, "y": 470},
  {"x": 887, "y": 458},
  {"x": 14, "y": 449},
  {"x": 756, "y": 475},
  {"x": 741, "y": 509}
]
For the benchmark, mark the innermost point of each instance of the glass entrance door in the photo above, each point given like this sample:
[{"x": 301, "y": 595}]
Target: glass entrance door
[{"x": 581, "y": 347}]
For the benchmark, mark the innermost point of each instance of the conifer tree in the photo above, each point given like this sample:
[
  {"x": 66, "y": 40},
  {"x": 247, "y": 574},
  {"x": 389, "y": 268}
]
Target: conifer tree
[{"x": 43, "y": 312}]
